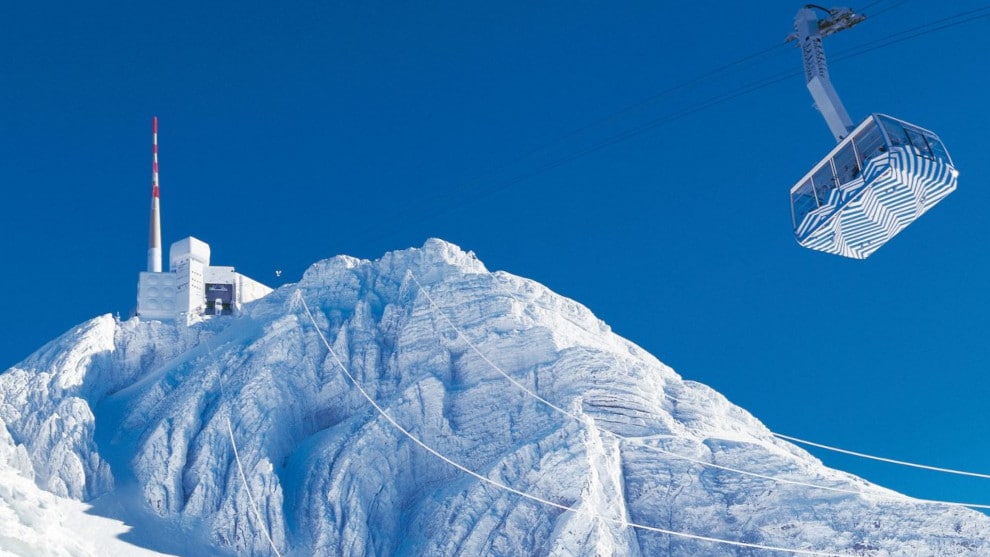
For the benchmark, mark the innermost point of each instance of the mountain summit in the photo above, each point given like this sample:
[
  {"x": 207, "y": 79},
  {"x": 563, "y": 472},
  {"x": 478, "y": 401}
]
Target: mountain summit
[{"x": 422, "y": 405}]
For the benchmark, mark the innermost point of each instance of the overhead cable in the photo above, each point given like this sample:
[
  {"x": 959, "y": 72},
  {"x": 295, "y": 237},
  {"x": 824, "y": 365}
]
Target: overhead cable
[
  {"x": 237, "y": 457},
  {"x": 499, "y": 485},
  {"x": 649, "y": 125},
  {"x": 884, "y": 459},
  {"x": 435, "y": 307}
]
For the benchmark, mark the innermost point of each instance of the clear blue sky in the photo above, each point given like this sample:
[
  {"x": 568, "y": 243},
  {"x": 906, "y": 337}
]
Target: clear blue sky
[{"x": 291, "y": 135}]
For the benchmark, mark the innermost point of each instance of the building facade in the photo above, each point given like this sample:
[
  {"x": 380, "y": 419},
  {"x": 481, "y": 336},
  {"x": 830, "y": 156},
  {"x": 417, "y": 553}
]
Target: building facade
[{"x": 192, "y": 288}]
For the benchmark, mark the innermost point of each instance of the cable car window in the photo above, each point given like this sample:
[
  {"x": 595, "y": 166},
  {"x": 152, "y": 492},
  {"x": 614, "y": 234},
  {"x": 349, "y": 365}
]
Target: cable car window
[
  {"x": 824, "y": 182},
  {"x": 846, "y": 169},
  {"x": 895, "y": 131},
  {"x": 937, "y": 148},
  {"x": 802, "y": 202},
  {"x": 869, "y": 143},
  {"x": 919, "y": 142}
]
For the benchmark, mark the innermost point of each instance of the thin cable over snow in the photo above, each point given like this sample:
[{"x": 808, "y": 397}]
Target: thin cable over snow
[
  {"x": 254, "y": 504},
  {"x": 573, "y": 416},
  {"x": 888, "y": 460},
  {"x": 523, "y": 494},
  {"x": 240, "y": 467},
  {"x": 485, "y": 358}
]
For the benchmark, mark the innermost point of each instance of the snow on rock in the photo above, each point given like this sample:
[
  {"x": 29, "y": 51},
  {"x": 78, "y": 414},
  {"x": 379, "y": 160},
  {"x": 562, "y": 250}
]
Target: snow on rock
[
  {"x": 41, "y": 405},
  {"x": 30, "y": 522},
  {"x": 248, "y": 430},
  {"x": 35, "y": 523}
]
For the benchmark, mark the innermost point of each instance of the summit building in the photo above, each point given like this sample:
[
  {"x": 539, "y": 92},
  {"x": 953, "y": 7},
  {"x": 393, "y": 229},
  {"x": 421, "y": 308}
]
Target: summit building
[{"x": 191, "y": 289}]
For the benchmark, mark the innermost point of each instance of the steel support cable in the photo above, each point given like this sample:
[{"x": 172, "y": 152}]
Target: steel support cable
[
  {"x": 862, "y": 9},
  {"x": 893, "y": 6},
  {"x": 655, "y": 97},
  {"x": 650, "y": 99},
  {"x": 628, "y": 134},
  {"x": 524, "y": 388},
  {"x": 887, "y": 460},
  {"x": 867, "y": 456},
  {"x": 916, "y": 31},
  {"x": 622, "y": 136},
  {"x": 703, "y": 105},
  {"x": 577, "y": 418},
  {"x": 610, "y": 117},
  {"x": 744, "y": 90},
  {"x": 499, "y": 485},
  {"x": 237, "y": 458},
  {"x": 645, "y": 102},
  {"x": 868, "y": 6},
  {"x": 880, "y": 459}
]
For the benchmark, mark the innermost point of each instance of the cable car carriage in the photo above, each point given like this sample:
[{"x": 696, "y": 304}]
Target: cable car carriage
[{"x": 882, "y": 175}]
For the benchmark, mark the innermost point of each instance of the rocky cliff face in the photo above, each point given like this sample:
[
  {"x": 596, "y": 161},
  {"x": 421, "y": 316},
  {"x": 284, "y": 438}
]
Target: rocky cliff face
[{"x": 250, "y": 429}]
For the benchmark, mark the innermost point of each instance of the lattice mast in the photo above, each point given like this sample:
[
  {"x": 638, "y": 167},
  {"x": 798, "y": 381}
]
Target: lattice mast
[
  {"x": 809, "y": 30},
  {"x": 155, "y": 232}
]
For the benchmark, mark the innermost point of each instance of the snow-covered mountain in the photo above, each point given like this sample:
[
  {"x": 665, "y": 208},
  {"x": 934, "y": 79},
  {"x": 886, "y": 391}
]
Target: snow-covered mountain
[{"x": 248, "y": 436}]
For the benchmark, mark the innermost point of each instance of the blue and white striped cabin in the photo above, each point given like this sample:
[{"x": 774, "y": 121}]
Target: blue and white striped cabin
[{"x": 876, "y": 182}]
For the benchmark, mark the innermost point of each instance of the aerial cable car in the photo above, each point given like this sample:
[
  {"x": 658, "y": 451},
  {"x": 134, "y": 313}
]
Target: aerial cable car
[{"x": 882, "y": 175}]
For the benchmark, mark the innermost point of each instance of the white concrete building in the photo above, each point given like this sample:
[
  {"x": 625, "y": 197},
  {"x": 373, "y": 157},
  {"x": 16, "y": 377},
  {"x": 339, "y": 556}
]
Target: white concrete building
[{"x": 192, "y": 288}]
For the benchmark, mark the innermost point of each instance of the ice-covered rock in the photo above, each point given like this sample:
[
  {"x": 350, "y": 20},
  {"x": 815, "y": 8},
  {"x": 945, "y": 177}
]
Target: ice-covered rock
[{"x": 250, "y": 428}]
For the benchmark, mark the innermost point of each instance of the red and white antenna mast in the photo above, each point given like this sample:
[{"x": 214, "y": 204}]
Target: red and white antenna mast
[{"x": 155, "y": 234}]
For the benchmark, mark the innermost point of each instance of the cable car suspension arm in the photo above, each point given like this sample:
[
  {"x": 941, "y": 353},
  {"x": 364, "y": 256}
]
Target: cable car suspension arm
[{"x": 809, "y": 30}]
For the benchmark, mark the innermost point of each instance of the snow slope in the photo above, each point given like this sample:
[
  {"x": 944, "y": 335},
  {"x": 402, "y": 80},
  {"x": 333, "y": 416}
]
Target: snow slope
[
  {"x": 247, "y": 435},
  {"x": 35, "y": 523}
]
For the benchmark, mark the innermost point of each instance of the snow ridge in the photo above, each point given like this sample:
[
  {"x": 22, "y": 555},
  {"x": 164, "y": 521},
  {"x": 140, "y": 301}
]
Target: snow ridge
[{"x": 433, "y": 338}]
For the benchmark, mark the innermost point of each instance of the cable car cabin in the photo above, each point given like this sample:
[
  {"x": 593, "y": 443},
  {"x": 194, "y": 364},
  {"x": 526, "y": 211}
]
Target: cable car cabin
[{"x": 876, "y": 182}]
